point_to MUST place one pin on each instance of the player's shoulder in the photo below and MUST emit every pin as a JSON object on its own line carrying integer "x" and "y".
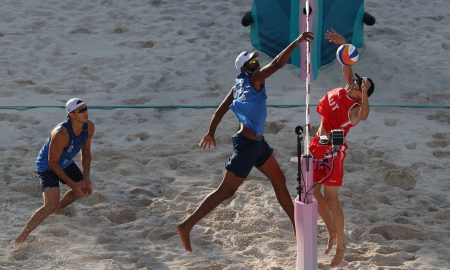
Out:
{"x": 60, "y": 129}
{"x": 59, "y": 134}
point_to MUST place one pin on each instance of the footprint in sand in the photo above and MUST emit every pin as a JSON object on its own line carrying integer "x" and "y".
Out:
{"x": 42, "y": 90}
{"x": 154, "y": 190}
{"x": 399, "y": 232}
{"x": 93, "y": 199}
{"x": 118, "y": 214}
{"x": 383, "y": 199}
{"x": 374, "y": 153}
{"x": 135, "y": 81}
{"x": 278, "y": 245}
{"x": 401, "y": 178}
{"x": 395, "y": 259}
{"x": 357, "y": 156}
{"x": 440, "y": 116}
{"x": 142, "y": 136}
{"x": 137, "y": 44}
{"x": 439, "y": 141}
{"x": 120, "y": 30}
{"x": 390, "y": 122}
{"x": 441, "y": 154}
{"x": 136, "y": 101}
{"x": 58, "y": 232}
{"x": 411, "y": 145}
{"x": 68, "y": 211}
{"x": 80, "y": 30}
{"x": 29, "y": 187}
{"x": 143, "y": 196}
{"x": 111, "y": 155}
{"x": 155, "y": 3}
{"x": 273, "y": 127}
{"x": 355, "y": 255}
{"x": 173, "y": 163}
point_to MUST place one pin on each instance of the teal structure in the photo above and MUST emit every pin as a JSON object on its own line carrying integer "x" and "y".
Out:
{"x": 275, "y": 23}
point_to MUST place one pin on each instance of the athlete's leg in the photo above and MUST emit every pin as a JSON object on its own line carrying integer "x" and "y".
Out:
{"x": 325, "y": 214}
{"x": 51, "y": 204}
{"x": 69, "y": 198}
{"x": 227, "y": 188}
{"x": 332, "y": 196}
{"x": 272, "y": 170}
{"x": 76, "y": 175}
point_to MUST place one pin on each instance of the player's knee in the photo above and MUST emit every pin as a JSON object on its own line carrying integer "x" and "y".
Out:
{"x": 50, "y": 208}
{"x": 318, "y": 195}
{"x": 225, "y": 192}
{"x": 334, "y": 203}
{"x": 229, "y": 192}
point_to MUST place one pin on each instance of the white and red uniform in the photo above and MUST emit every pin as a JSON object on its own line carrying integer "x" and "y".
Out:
{"x": 335, "y": 109}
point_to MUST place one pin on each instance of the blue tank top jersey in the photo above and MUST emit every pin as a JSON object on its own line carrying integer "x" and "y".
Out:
{"x": 249, "y": 105}
{"x": 69, "y": 152}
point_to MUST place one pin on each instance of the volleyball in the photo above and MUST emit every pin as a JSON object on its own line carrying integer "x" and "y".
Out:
{"x": 347, "y": 54}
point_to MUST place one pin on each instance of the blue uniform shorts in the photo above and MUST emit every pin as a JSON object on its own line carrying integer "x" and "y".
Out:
{"x": 247, "y": 153}
{"x": 49, "y": 179}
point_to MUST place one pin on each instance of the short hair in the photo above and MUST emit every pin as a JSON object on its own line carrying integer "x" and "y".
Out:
{"x": 372, "y": 87}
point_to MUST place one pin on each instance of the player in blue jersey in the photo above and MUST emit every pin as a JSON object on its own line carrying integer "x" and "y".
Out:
{"x": 55, "y": 164}
{"x": 247, "y": 99}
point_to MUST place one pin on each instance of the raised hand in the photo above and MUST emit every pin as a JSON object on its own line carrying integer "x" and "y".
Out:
{"x": 87, "y": 186}
{"x": 305, "y": 36}
{"x": 334, "y": 37}
{"x": 79, "y": 190}
{"x": 365, "y": 86}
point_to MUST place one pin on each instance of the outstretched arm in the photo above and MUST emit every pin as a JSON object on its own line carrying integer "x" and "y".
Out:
{"x": 86, "y": 159}
{"x": 208, "y": 139}
{"x": 364, "y": 110}
{"x": 335, "y": 38}
{"x": 361, "y": 112}
{"x": 258, "y": 77}
{"x": 59, "y": 140}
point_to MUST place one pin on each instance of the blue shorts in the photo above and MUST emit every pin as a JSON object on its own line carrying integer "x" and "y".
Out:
{"x": 247, "y": 153}
{"x": 49, "y": 179}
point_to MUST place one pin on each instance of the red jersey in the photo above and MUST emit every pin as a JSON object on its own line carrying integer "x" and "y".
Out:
{"x": 335, "y": 109}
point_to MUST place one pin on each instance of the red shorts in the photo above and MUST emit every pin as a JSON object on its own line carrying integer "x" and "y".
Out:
{"x": 331, "y": 171}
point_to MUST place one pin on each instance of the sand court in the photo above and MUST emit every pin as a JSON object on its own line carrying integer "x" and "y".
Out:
{"x": 148, "y": 171}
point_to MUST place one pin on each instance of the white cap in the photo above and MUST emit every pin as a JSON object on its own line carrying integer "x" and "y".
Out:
{"x": 244, "y": 57}
{"x": 73, "y": 103}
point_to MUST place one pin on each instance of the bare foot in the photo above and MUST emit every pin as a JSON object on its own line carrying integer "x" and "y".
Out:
{"x": 338, "y": 257}
{"x": 183, "y": 232}
{"x": 331, "y": 241}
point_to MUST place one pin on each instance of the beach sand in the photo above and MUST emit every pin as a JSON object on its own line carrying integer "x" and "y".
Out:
{"x": 148, "y": 171}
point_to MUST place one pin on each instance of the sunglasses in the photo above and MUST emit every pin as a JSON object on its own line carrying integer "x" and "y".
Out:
{"x": 82, "y": 110}
{"x": 253, "y": 61}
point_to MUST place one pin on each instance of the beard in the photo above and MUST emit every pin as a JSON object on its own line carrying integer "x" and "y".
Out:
{"x": 252, "y": 69}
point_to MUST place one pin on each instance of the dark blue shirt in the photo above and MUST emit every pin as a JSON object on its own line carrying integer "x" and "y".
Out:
{"x": 69, "y": 152}
{"x": 249, "y": 105}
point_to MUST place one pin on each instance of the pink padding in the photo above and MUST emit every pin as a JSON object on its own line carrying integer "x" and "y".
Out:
{"x": 306, "y": 234}
{"x": 307, "y": 172}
